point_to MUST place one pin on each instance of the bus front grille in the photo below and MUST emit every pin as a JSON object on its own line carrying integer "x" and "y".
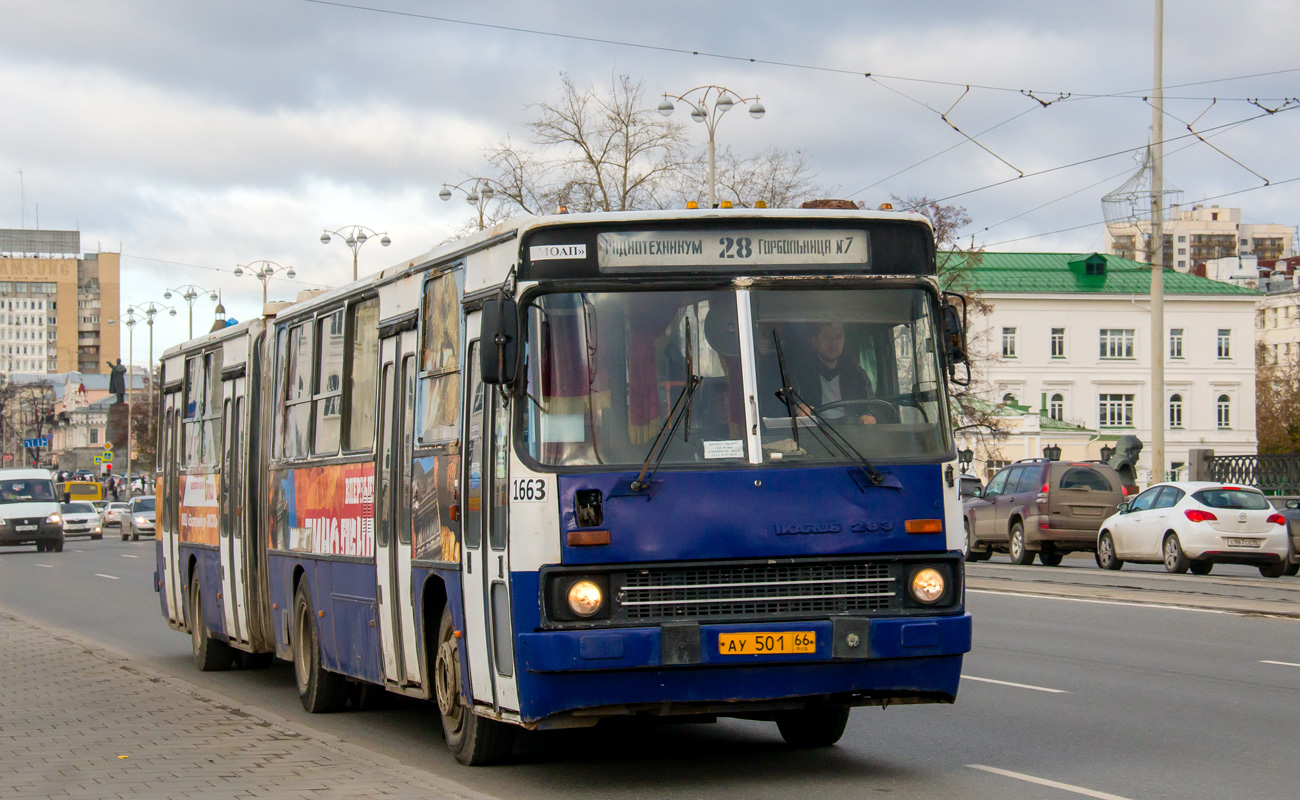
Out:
{"x": 750, "y": 590}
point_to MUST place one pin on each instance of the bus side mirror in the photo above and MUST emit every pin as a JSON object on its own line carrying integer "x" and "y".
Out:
{"x": 952, "y": 324}
{"x": 499, "y": 341}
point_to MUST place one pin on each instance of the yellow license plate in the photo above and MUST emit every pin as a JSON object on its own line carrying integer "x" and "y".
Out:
{"x": 758, "y": 644}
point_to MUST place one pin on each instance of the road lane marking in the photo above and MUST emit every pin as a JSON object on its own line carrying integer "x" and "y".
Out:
{"x": 128, "y": 555}
{"x": 1016, "y": 685}
{"x": 1065, "y": 787}
{"x": 110, "y": 577}
{"x": 1281, "y": 663}
{"x": 1110, "y": 602}
{"x": 47, "y": 566}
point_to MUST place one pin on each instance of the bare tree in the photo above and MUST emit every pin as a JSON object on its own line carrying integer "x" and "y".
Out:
{"x": 976, "y": 406}
{"x": 598, "y": 150}
{"x": 1277, "y": 403}
{"x": 780, "y": 178}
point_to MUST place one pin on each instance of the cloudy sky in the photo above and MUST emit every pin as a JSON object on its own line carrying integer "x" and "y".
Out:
{"x": 193, "y": 135}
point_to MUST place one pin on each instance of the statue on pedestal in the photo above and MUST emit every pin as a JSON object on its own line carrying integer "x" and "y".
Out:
{"x": 117, "y": 383}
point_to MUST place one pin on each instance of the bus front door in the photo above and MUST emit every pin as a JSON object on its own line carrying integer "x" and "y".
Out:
{"x": 485, "y": 570}
{"x": 401, "y": 654}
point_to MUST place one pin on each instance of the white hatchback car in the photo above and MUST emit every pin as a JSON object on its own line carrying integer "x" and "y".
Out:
{"x": 1195, "y": 525}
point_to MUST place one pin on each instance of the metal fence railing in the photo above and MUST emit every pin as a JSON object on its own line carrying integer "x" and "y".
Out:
{"x": 1272, "y": 474}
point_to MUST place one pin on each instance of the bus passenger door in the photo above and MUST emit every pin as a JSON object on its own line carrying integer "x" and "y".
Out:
{"x": 485, "y": 572}
{"x": 401, "y": 655}
{"x": 230, "y": 525}
{"x": 168, "y": 507}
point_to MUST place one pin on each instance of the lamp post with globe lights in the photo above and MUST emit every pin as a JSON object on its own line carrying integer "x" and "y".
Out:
{"x": 189, "y": 293}
{"x": 712, "y": 103}
{"x": 149, "y": 310}
{"x": 354, "y": 236}
{"x": 478, "y": 195}
{"x": 262, "y": 270}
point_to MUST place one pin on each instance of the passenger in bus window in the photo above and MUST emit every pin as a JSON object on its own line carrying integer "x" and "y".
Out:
{"x": 831, "y": 378}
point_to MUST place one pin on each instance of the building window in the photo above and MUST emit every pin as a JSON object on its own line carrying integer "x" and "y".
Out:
{"x": 1009, "y": 399}
{"x": 1115, "y": 410}
{"x": 1056, "y": 408}
{"x": 1224, "y": 407}
{"x": 1175, "y": 411}
{"x": 1182, "y": 238}
{"x": 1117, "y": 343}
{"x": 1175, "y": 342}
{"x": 94, "y": 435}
{"x": 1058, "y": 342}
{"x": 1225, "y": 343}
{"x": 1008, "y": 342}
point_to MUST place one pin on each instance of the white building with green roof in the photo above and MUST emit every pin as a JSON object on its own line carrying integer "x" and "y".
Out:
{"x": 1069, "y": 337}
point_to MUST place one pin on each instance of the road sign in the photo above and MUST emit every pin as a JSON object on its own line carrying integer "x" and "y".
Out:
{"x": 108, "y": 445}
{"x": 41, "y": 442}
{"x": 107, "y": 455}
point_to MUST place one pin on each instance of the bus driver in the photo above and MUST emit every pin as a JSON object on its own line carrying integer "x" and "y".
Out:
{"x": 831, "y": 378}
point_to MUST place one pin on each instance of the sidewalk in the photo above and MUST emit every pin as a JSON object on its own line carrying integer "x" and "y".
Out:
{"x": 78, "y": 722}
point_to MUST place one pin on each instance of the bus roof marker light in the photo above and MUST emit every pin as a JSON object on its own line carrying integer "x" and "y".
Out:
{"x": 725, "y": 204}
{"x": 692, "y": 205}
{"x": 760, "y": 204}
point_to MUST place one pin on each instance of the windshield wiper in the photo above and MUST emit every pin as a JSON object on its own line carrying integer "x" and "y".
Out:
{"x": 681, "y": 410}
{"x": 786, "y": 393}
{"x": 834, "y": 439}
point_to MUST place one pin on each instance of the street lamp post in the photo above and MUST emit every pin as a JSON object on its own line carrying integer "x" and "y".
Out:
{"x": 130, "y": 392}
{"x": 477, "y": 195}
{"x": 701, "y": 111}
{"x": 189, "y": 293}
{"x": 150, "y": 310}
{"x": 354, "y": 236}
{"x": 262, "y": 270}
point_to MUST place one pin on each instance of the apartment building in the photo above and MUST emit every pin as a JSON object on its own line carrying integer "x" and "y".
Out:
{"x": 58, "y": 306}
{"x": 1202, "y": 233}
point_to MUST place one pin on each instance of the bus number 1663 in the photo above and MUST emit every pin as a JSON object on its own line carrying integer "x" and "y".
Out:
{"x": 528, "y": 490}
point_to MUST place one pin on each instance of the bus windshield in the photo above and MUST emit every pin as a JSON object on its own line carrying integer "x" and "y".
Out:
{"x": 604, "y": 370}
{"x": 861, "y": 362}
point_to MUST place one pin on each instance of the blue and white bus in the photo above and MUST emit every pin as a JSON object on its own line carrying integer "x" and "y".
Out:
{"x": 689, "y": 464}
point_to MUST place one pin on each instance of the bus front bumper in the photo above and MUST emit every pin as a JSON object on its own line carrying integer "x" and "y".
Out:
{"x": 854, "y": 661}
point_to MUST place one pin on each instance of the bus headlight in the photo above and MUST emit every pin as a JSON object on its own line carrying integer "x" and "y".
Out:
{"x": 585, "y": 598}
{"x": 928, "y": 585}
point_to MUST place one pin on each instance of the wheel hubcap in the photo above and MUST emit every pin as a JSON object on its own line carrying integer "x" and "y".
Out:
{"x": 446, "y": 678}
{"x": 1171, "y": 553}
{"x": 300, "y": 648}
{"x": 1016, "y": 544}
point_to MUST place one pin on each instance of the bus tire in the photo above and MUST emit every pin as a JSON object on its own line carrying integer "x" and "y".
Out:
{"x": 818, "y": 726}
{"x": 473, "y": 740}
{"x": 319, "y": 690}
{"x": 210, "y": 654}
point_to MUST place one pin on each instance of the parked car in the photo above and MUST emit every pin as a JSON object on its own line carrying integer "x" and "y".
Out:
{"x": 1040, "y": 507}
{"x": 115, "y": 514}
{"x": 1291, "y": 511}
{"x": 29, "y": 510}
{"x": 1195, "y": 525}
{"x": 81, "y": 519}
{"x": 139, "y": 518}
{"x": 966, "y": 486}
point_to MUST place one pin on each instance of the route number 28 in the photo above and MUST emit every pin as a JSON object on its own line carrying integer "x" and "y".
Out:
{"x": 740, "y": 247}
{"x": 528, "y": 490}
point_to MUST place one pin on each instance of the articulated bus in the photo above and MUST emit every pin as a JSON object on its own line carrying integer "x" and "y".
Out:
{"x": 695, "y": 464}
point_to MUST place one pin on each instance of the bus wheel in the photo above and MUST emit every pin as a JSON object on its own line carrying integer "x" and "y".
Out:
{"x": 474, "y": 741}
{"x": 819, "y": 726}
{"x": 319, "y": 690}
{"x": 209, "y": 654}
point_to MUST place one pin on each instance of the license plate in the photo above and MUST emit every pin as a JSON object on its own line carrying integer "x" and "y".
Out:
{"x": 755, "y": 644}
{"x": 1244, "y": 542}
{"x": 25, "y": 528}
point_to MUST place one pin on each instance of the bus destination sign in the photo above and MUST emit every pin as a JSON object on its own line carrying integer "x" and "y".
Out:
{"x": 732, "y": 249}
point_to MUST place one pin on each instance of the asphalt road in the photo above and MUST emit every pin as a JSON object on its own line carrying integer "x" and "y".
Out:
{"x": 1065, "y": 697}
